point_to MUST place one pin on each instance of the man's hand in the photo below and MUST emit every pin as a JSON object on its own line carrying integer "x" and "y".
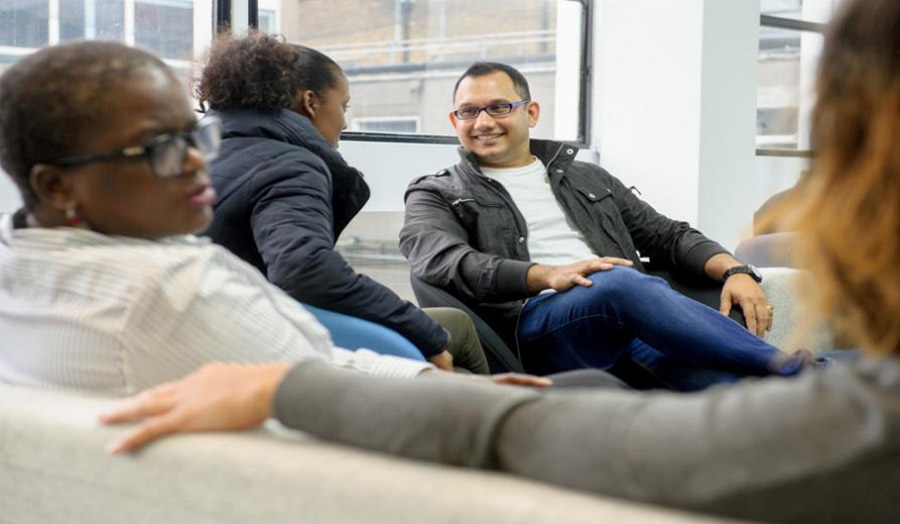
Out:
{"x": 742, "y": 290}
{"x": 521, "y": 379}
{"x": 443, "y": 360}
{"x": 218, "y": 397}
{"x": 503, "y": 379}
{"x": 562, "y": 278}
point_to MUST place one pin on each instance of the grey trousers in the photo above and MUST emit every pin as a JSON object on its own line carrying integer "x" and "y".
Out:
{"x": 468, "y": 355}
{"x": 823, "y": 447}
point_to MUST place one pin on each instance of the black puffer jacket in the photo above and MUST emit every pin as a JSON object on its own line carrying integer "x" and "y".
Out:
{"x": 285, "y": 195}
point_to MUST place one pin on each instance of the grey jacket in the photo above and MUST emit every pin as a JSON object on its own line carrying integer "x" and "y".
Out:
{"x": 463, "y": 231}
{"x": 822, "y": 447}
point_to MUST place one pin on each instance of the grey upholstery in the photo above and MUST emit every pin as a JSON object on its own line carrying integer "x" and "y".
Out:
{"x": 53, "y": 470}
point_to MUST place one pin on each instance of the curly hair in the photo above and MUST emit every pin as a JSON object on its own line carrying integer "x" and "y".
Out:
{"x": 848, "y": 210}
{"x": 51, "y": 98}
{"x": 260, "y": 71}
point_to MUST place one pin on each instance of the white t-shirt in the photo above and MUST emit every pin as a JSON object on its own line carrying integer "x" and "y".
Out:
{"x": 115, "y": 315}
{"x": 552, "y": 239}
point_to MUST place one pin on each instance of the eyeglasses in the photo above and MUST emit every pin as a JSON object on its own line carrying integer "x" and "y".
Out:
{"x": 495, "y": 110}
{"x": 165, "y": 153}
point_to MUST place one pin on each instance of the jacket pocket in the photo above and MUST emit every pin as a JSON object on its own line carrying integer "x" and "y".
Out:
{"x": 485, "y": 222}
{"x": 594, "y": 195}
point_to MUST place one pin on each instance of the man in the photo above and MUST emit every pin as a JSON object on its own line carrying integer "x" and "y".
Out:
{"x": 521, "y": 219}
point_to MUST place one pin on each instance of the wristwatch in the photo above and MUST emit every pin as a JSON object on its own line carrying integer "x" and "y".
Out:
{"x": 749, "y": 269}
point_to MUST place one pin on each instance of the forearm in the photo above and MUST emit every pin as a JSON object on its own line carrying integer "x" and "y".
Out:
{"x": 443, "y": 420}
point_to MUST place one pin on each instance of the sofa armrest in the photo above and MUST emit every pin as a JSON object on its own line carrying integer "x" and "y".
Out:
{"x": 53, "y": 469}
{"x": 794, "y": 325}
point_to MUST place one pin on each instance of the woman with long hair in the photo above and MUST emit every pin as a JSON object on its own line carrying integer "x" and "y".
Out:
{"x": 824, "y": 447}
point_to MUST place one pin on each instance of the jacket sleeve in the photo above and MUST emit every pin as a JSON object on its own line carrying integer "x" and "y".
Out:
{"x": 665, "y": 241}
{"x": 437, "y": 247}
{"x": 292, "y": 227}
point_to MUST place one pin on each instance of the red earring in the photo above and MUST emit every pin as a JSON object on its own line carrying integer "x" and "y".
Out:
{"x": 74, "y": 219}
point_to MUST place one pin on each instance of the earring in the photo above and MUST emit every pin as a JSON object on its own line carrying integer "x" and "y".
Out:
{"x": 74, "y": 219}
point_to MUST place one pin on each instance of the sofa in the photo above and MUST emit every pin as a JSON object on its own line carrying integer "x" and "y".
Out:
{"x": 53, "y": 469}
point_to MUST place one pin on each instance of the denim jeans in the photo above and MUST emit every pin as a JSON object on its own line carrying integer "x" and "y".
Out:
{"x": 629, "y": 321}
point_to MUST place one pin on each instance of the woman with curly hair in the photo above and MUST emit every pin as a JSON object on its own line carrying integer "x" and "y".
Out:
{"x": 824, "y": 447}
{"x": 285, "y": 193}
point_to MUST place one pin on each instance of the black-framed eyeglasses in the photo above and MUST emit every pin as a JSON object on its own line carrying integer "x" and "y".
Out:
{"x": 495, "y": 110}
{"x": 164, "y": 153}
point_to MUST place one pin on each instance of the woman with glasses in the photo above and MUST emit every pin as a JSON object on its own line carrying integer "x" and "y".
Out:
{"x": 823, "y": 447}
{"x": 103, "y": 287}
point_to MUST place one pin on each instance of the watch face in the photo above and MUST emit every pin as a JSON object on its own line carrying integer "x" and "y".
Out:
{"x": 747, "y": 270}
{"x": 754, "y": 272}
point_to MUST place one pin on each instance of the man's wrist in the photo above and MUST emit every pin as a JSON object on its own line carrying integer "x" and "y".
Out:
{"x": 537, "y": 278}
{"x": 716, "y": 266}
{"x": 749, "y": 270}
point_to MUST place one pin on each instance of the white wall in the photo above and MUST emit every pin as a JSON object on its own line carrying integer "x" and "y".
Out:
{"x": 728, "y": 119}
{"x": 647, "y": 98}
{"x": 9, "y": 194}
{"x": 675, "y": 106}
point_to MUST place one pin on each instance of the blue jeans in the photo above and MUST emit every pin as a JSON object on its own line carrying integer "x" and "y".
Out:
{"x": 628, "y": 320}
{"x": 353, "y": 333}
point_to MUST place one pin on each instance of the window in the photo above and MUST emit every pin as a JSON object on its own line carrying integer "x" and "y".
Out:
{"x": 790, "y": 42}
{"x": 174, "y": 29}
{"x": 402, "y": 57}
{"x": 400, "y": 124}
{"x": 167, "y": 27}
{"x": 24, "y": 23}
{"x": 267, "y": 22}
{"x": 91, "y": 19}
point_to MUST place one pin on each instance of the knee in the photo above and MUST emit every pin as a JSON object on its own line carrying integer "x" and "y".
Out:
{"x": 456, "y": 322}
{"x": 618, "y": 283}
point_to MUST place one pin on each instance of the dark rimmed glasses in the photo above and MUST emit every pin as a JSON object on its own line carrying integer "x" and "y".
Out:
{"x": 166, "y": 153}
{"x": 494, "y": 110}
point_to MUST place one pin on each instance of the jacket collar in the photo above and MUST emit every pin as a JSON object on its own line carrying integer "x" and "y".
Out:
{"x": 547, "y": 151}
{"x": 349, "y": 190}
{"x": 282, "y": 125}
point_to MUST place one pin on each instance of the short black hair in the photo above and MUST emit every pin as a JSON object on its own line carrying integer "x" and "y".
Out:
{"x": 51, "y": 98}
{"x": 260, "y": 71}
{"x": 520, "y": 84}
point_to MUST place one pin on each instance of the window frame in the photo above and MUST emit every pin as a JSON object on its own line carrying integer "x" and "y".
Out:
{"x": 794, "y": 25}
{"x": 224, "y": 15}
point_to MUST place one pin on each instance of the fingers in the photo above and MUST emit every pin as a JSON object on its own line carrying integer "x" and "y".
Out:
{"x": 763, "y": 320}
{"x": 617, "y": 261}
{"x": 149, "y": 403}
{"x": 750, "y": 316}
{"x": 592, "y": 265}
{"x": 725, "y": 303}
{"x": 768, "y": 312}
{"x": 582, "y": 281}
{"x": 145, "y": 433}
{"x": 519, "y": 379}
{"x": 443, "y": 360}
